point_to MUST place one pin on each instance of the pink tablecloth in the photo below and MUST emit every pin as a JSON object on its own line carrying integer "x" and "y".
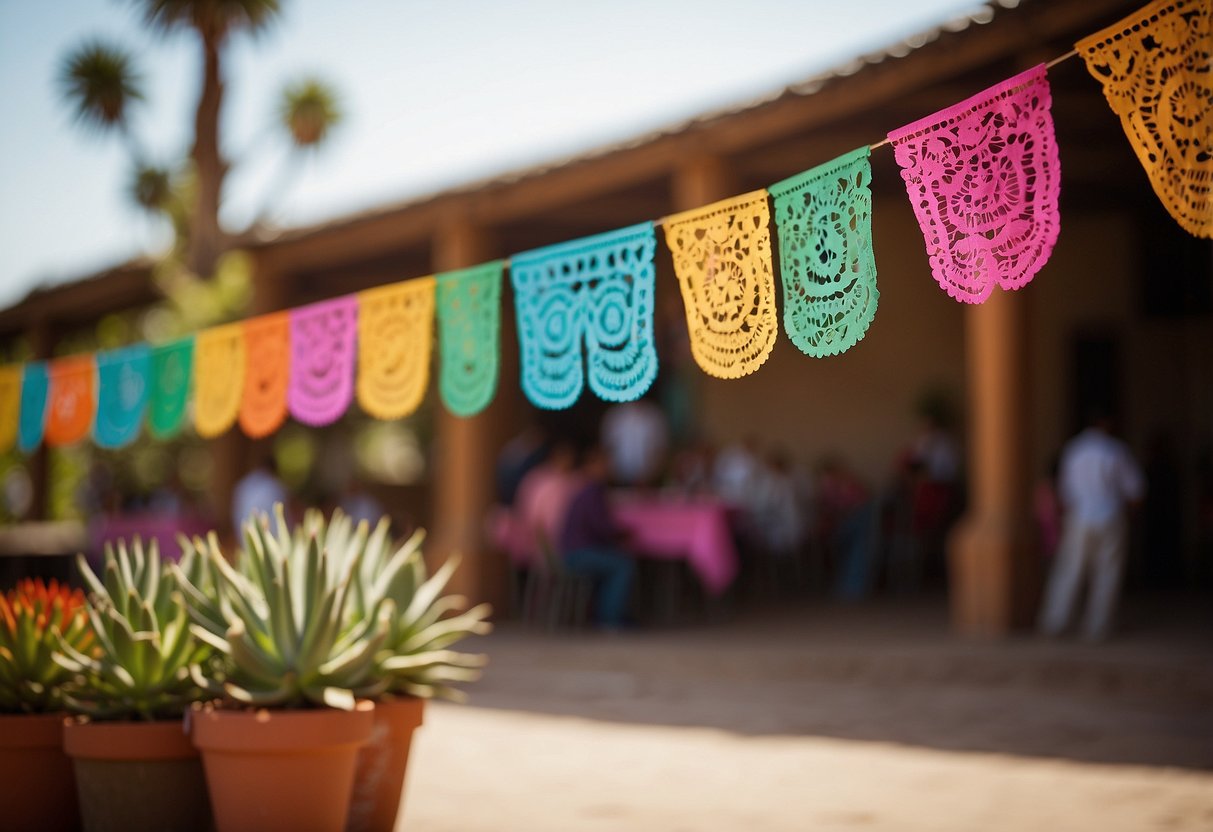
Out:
{"x": 696, "y": 530}
{"x": 163, "y": 528}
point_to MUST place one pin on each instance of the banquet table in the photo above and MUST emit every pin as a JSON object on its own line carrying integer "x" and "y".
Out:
{"x": 666, "y": 528}
{"x": 694, "y": 529}
{"x": 163, "y": 528}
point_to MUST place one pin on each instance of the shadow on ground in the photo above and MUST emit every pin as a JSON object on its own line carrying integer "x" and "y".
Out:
{"x": 886, "y": 672}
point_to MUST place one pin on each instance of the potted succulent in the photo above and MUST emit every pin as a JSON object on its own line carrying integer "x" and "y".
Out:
{"x": 279, "y": 748}
{"x": 412, "y": 665}
{"x": 37, "y": 790}
{"x": 135, "y": 765}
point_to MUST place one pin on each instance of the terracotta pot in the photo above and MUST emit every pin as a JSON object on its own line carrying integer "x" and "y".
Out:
{"x": 379, "y": 784}
{"x": 281, "y": 769}
{"x": 37, "y": 789}
{"x": 137, "y": 775}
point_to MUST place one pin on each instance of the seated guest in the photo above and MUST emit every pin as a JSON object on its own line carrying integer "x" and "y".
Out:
{"x": 591, "y": 543}
{"x": 542, "y": 503}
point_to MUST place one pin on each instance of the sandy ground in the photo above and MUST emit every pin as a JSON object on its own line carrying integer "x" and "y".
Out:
{"x": 821, "y": 719}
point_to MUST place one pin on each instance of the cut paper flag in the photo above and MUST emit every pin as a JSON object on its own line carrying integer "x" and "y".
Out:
{"x": 1156, "y": 68}
{"x": 10, "y": 405}
{"x": 122, "y": 393}
{"x": 218, "y": 378}
{"x": 72, "y": 399}
{"x": 395, "y": 335}
{"x": 469, "y": 325}
{"x": 324, "y": 338}
{"x": 267, "y": 362}
{"x": 984, "y": 179}
{"x": 31, "y": 425}
{"x": 824, "y": 217}
{"x": 595, "y": 293}
{"x": 722, "y": 256}
{"x": 170, "y": 374}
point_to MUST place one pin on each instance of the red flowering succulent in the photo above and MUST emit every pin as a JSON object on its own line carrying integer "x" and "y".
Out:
{"x": 33, "y": 617}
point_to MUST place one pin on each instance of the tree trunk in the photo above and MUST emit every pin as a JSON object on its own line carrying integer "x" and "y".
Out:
{"x": 206, "y": 241}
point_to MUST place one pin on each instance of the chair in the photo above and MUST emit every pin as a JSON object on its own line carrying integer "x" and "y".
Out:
{"x": 553, "y": 597}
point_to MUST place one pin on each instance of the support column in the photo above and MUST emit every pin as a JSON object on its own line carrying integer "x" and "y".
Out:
{"x": 991, "y": 559}
{"x": 701, "y": 179}
{"x": 233, "y": 454}
{"x": 37, "y": 464}
{"x": 463, "y": 456}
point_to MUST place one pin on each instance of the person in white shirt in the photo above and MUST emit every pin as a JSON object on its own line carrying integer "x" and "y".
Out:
{"x": 1098, "y": 481}
{"x": 636, "y": 438}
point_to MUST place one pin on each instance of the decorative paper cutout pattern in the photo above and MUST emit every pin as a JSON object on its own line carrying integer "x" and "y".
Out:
{"x": 324, "y": 338}
{"x": 824, "y": 217}
{"x": 469, "y": 324}
{"x": 122, "y": 393}
{"x": 10, "y": 405}
{"x": 597, "y": 290}
{"x": 395, "y": 333}
{"x": 984, "y": 179}
{"x": 1156, "y": 67}
{"x": 72, "y": 400}
{"x": 267, "y": 362}
{"x": 35, "y": 384}
{"x": 171, "y": 371}
{"x": 722, "y": 256}
{"x": 218, "y": 378}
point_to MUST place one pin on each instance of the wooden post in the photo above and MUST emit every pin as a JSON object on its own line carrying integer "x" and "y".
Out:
{"x": 463, "y": 455}
{"x": 703, "y": 178}
{"x": 37, "y": 465}
{"x": 990, "y": 552}
{"x": 232, "y": 453}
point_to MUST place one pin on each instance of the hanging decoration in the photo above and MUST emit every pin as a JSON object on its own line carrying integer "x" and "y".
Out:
{"x": 267, "y": 362}
{"x": 984, "y": 179}
{"x": 824, "y": 217}
{"x": 31, "y": 426}
{"x": 72, "y": 400}
{"x": 122, "y": 393}
{"x": 395, "y": 335}
{"x": 218, "y": 378}
{"x": 170, "y": 374}
{"x": 722, "y": 256}
{"x": 10, "y": 405}
{"x": 324, "y": 338}
{"x": 1155, "y": 70}
{"x": 597, "y": 291}
{"x": 469, "y": 322}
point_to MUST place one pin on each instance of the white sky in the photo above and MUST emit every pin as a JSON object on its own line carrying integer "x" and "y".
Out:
{"x": 435, "y": 92}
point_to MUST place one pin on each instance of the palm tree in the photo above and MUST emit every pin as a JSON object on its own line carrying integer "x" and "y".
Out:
{"x": 100, "y": 82}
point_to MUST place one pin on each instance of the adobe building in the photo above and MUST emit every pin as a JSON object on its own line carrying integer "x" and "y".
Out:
{"x": 1121, "y": 314}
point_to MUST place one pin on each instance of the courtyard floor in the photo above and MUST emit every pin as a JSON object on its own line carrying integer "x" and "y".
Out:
{"x": 817, "y": 717}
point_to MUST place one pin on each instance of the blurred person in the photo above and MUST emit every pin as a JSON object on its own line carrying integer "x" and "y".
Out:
{"x": 636, "y": 438}
{"x": 780, "y": 522}
{"x": 1098, "y": 482}
{"x": 517, "y": 458}
{"x": 360, "y": 504}
{"x": 691, "y": 469}
{"x": 257, "y": 491}
{"x": 591, "y": 542}
{"x": 542, "y": 502}
{"x": 847, "y": 520}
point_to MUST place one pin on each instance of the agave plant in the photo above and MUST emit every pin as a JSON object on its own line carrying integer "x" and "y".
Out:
{"x": 143, "y": 668}
{"x": 284, "y": 624}
{"x": 35, "y": 617}
{"x": 415, "y": 659}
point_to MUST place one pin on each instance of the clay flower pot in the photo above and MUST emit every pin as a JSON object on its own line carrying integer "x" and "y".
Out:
{"x": 137, "y": 775}
{"x": 288, "y": 769}
{"x": 37, "y": 789}
{"x": 379, "y": 784}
